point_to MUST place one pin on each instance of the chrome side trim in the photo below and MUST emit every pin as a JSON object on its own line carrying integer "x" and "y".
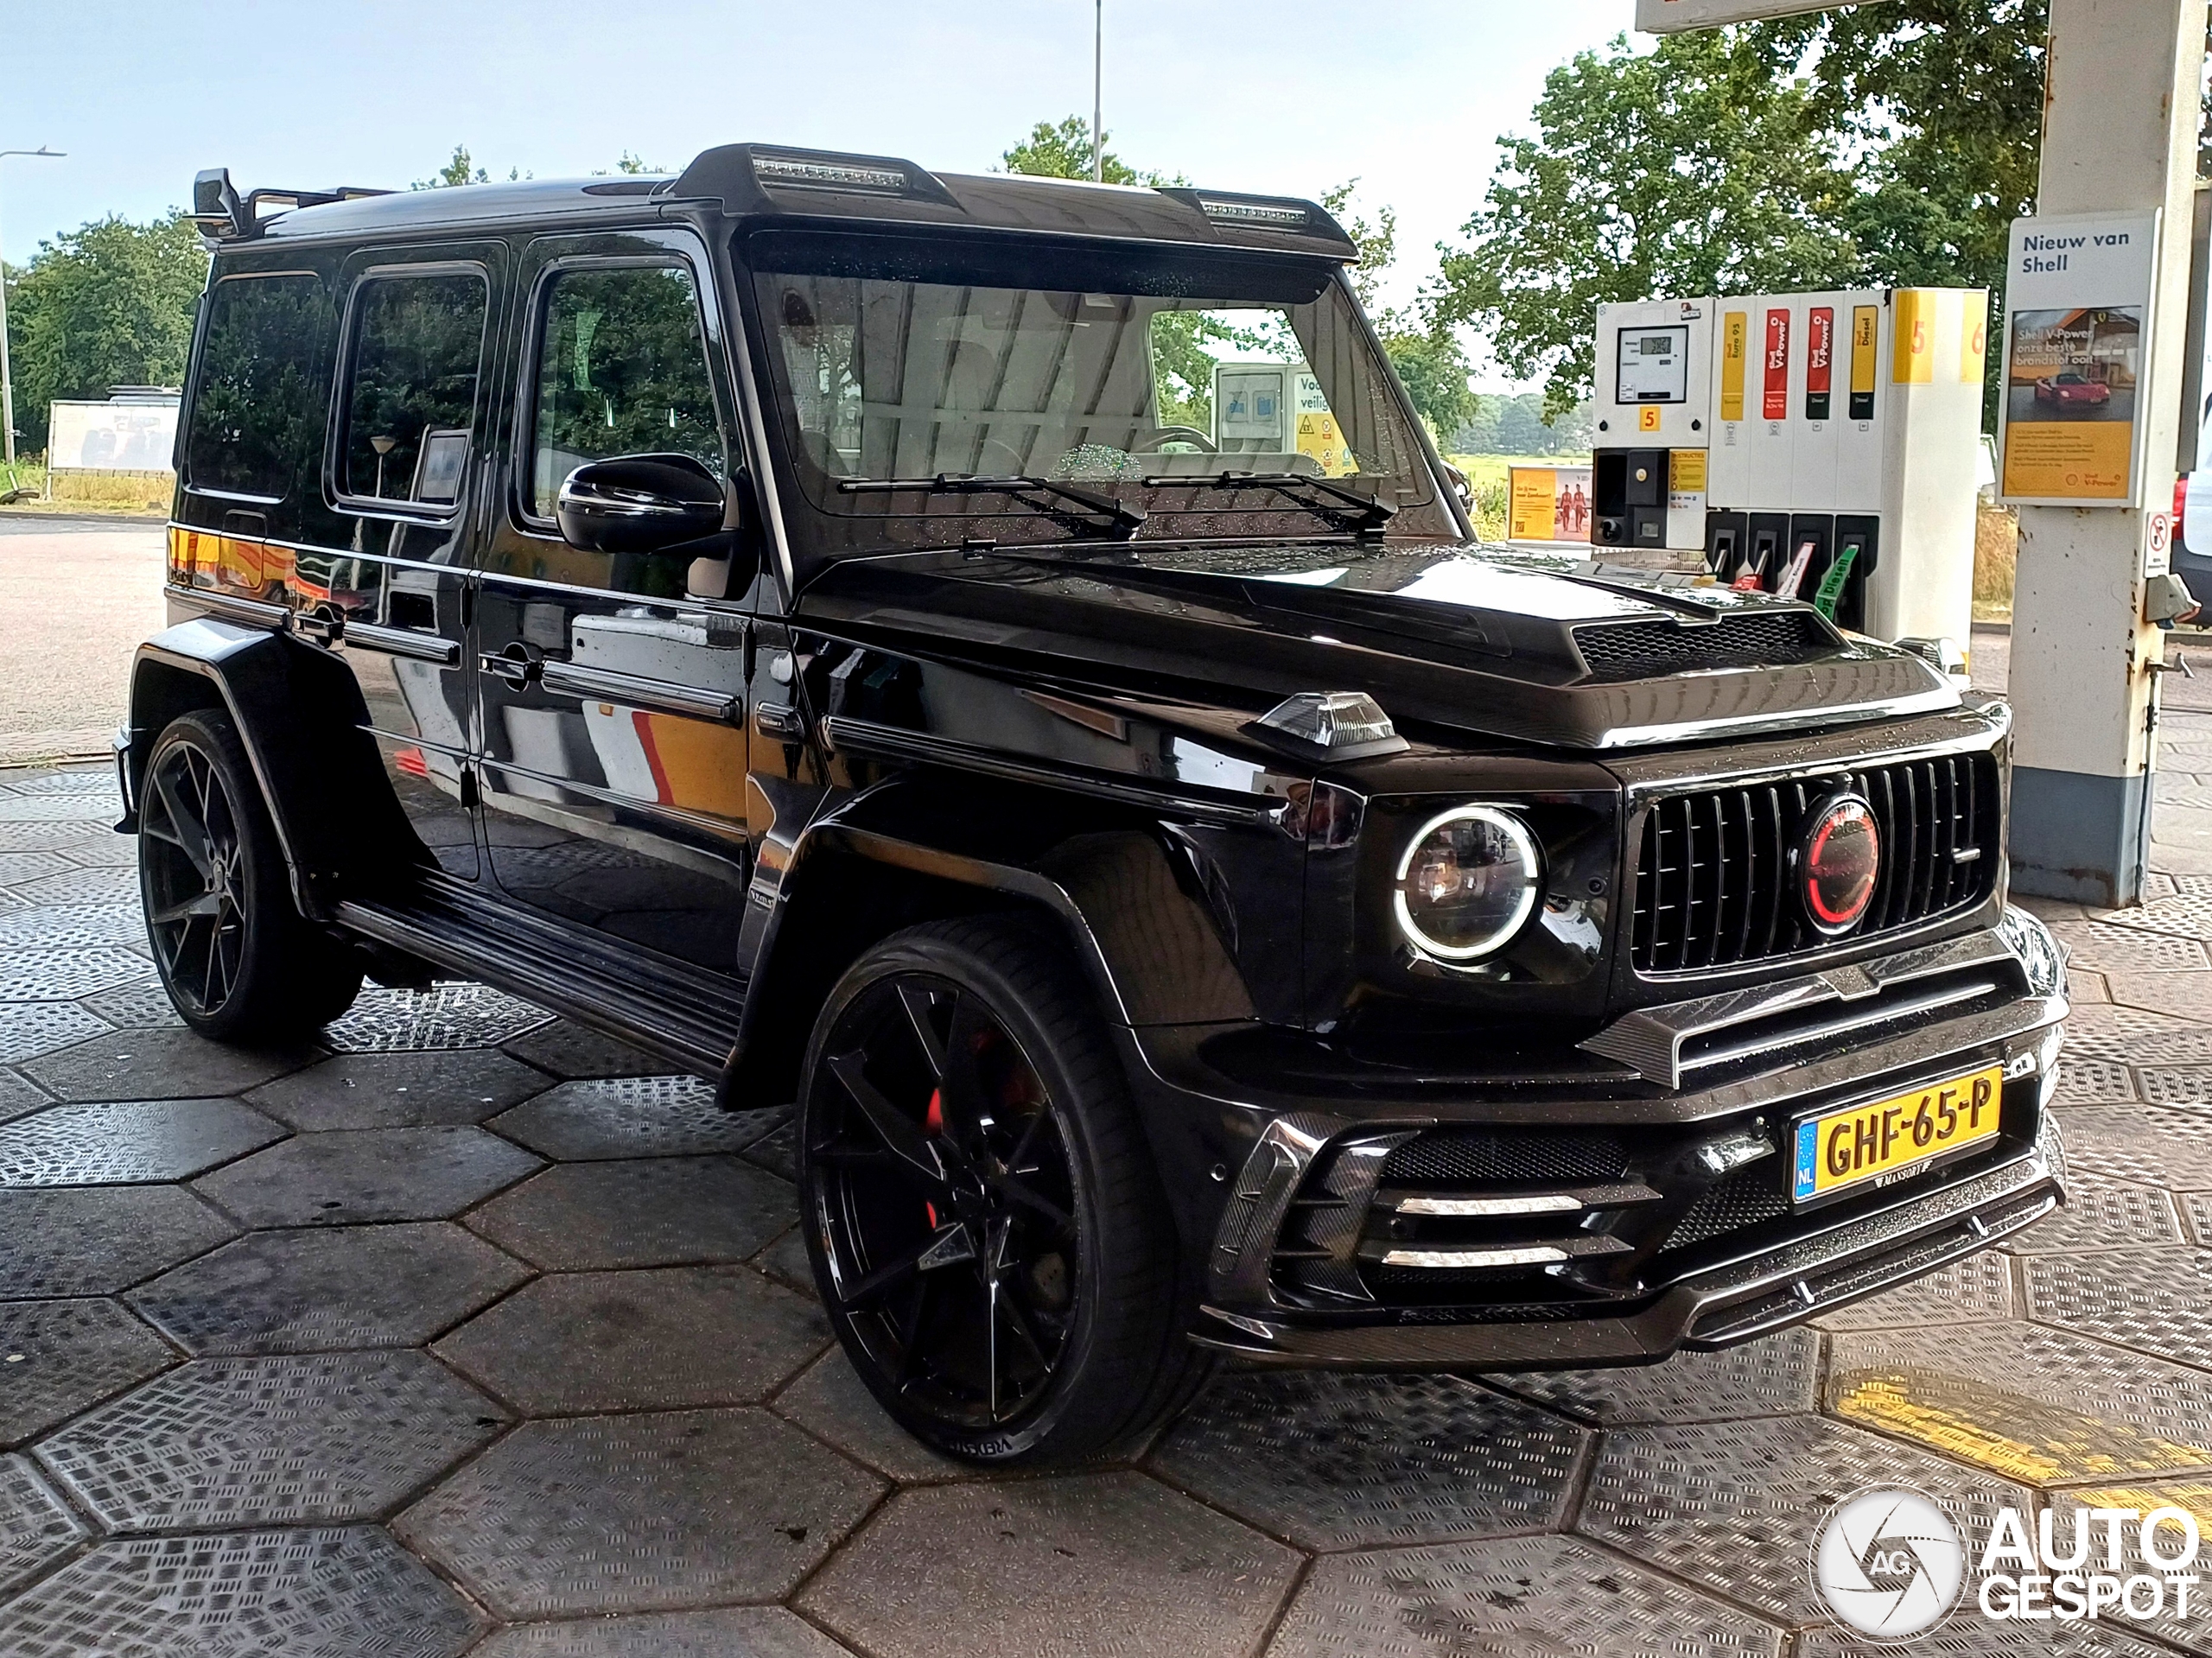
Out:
{"x": 1650, "y": 1040}
{"x": 400, "y": 642}
{"x": 1223, "y": 808}
{"x": 1572, "y": 1201}
{"x": 1531, "y": 1256}
{"x": 252, "y": 613}
{"x": 638, "y": 691}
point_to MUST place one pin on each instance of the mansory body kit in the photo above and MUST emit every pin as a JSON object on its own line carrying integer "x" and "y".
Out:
{"x": 999, "y": 662}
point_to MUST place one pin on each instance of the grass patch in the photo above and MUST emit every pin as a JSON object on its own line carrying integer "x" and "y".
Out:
{"x": 1996, "y": 556}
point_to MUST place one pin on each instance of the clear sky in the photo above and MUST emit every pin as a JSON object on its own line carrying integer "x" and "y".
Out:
{"x": 1289, "y": 96}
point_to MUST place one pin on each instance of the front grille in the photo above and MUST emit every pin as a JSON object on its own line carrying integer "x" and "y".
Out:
{"x": 1739, "y": 1198}
{"x": 1620, "y": 651}
{"x": 1712, "y": 885}
{"x": 1460, "y": 1156}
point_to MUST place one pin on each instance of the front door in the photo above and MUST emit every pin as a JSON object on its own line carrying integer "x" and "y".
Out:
{"x": 611, "y": 690}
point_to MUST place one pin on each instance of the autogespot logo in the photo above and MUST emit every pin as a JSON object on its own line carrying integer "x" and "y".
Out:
{"x": 1889, "y": 1562}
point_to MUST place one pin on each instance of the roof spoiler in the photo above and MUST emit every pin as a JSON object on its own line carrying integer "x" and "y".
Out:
{"x": 740, "y": 175}
{"x": 223, "y": 215}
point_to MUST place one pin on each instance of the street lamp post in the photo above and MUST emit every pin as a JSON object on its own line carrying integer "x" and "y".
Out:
{"x": 6, "y": 382}
{"x": 1098, "y": 91}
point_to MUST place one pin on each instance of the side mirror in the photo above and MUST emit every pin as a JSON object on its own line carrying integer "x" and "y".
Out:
{"x": 640, "y": 504}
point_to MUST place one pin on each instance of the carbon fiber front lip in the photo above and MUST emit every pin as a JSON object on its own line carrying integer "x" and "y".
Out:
{"x": 1812, "y": 1275}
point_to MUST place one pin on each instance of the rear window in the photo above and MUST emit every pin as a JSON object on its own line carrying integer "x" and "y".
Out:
{"x": 257, "y": 417}
{"x": 411, "y": 404}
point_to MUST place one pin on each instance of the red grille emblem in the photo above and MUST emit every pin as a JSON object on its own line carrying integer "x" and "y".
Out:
{"x": 1838, "y": 862}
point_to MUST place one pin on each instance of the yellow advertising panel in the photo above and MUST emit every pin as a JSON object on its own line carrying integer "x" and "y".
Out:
{"x": 1547, "y": 504}
{"x": 1318, "y": 436}
{"x": 1735, "y": 339}
{"x": 2050, "y": 461}
{"x": 1912, "y": 351}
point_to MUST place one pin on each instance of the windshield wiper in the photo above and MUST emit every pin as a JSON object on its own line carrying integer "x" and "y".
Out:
{"x": 1373, "y": 516}
{"x": 1121, "y": 518}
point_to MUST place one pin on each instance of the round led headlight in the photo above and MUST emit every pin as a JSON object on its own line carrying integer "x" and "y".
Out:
{"x": 1466, "y": 883}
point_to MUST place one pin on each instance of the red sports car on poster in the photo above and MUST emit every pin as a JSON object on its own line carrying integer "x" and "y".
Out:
{"x": 2073, "y": 391}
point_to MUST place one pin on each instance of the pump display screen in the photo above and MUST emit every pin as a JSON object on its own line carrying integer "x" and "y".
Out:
{"x": 1654, "y": 365}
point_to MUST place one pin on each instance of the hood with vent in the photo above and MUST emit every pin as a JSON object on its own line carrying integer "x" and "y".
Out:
{"x": 1447, "y": 637}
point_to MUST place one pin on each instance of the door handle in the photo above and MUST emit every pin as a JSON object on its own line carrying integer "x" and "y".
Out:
{"x": 400, "y": 642}
{"x": 519, "y": 665}
{"x": 779, "y": 719}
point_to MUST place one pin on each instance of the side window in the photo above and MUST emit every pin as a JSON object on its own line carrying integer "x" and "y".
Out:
{"x": 621, "y": 370}
{"x": 256, "y": 415}
{"x": 410, "y": 402}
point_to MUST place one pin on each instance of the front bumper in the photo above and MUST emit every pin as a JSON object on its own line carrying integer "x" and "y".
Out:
{"x": 1615, "y": 1224}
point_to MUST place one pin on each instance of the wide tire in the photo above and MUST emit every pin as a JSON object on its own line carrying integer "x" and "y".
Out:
{"x": 987, "y": 1229}
{"x": 239, "y": 961}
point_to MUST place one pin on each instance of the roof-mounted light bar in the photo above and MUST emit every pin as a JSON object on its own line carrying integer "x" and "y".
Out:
{"x": 829, "y": 176}
{"x": 1263, "y": 215}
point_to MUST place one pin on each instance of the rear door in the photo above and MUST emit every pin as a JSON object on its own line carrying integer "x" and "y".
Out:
{"x": 404, "y": 501}
{"x": 611, "y": 690}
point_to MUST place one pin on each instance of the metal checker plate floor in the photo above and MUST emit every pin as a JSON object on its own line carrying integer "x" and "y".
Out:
{"x": 310, "y": 1411}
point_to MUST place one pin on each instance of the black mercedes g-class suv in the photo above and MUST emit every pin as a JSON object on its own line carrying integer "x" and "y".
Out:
{"x": 999, "y": 662}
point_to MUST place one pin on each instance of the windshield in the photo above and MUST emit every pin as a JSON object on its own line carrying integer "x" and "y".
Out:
{"x": 936, "y": 391}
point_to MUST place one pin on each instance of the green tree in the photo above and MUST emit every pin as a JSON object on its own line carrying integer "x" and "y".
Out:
{"x": 1377, "y": 242}
{"x": 110, "y": 304}
{"x": 1064, "y": 152}
{"x": 1694, "y": 168}
{"x": 456, "y": 171}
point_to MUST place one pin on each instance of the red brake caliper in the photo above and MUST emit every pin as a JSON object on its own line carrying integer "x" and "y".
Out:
{"x": 933, "y": 1122}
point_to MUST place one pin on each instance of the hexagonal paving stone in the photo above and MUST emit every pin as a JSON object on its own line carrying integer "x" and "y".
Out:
{"x": 48, "y": 809}
{"x": 1506, "y": 1599}
{"x": 2092, "y": 1081}
{"x": 350, "y": 1594}
{"x": 63, "y": 836}
{"x": 35, "y": 1527}
{"x": 17, "y": 866}
{"x": 786, "y": 1262}
{"x": 445, "y": 1016}
{"x": 59, "y": 1357}
{"x": 2158, "y": 1301}
{"x": 127, "y": 1143}
{"x": 28, "y": 1029}
{"x": 301, "y": 1441}
{"x": 1057, "y": 1568}
{"x": 398, "y": 1090}
{"x": 94, "y": 782}
{"x": 2100, "y": 1214}
{"x": 1334, "y": 1461}
{"x": 2135, "y": 1036}
{"x": 659, "y": 1212}
{"x": 2194, "y": 1497}
{"x": 2145, "y": 1145}
{"x": 81, "y": 887}
{"x": 560, "y": 1517}
{"x": 2177, "y": 1084}
{"x": 777, "y": 1153}
{"x": 569, "y": 1049}
{"x": 98, "y": 848}
{"x": 369, "y": 1174}
{"x": 1978, "y": 1288}
{"x": 731, "y": 1632}
{"x": 19, "y": 1098}
{"x": 320, "y": 1289}
{"x": 94, "y": 1241}
{"x": 1970, "y": 1635}
{"x": 831, "y": 1402}
{"x": 2103, "y": 948}
{"x": 160, "y": 1065}
{"x": 633, "y": 1116}
{"x": 2035, "y": 1404}
{"x": 1770, "y": 1377}
{"x": 669, "y": 1339}
{"x": 68, "y": 967}
{"x": 1733, "y": 1506}
{"x": 142, "y": 1007}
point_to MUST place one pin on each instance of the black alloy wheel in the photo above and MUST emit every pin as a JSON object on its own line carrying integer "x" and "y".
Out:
{"x": 238, "y": 960}
{"x": 987, "y": 1233}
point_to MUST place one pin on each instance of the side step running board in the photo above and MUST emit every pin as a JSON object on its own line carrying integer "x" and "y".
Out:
{"x": 687, "y": 1017}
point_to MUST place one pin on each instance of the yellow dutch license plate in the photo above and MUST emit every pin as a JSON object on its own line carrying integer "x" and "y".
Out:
{"x": 1880, "y": 1137}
